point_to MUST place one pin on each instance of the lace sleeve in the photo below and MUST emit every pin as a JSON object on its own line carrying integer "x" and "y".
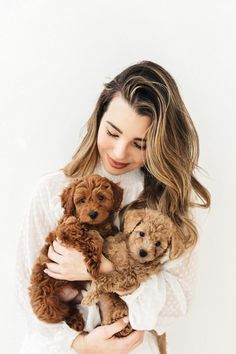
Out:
{"x": 165, "y": 297}
{"x": 39, "y": 220}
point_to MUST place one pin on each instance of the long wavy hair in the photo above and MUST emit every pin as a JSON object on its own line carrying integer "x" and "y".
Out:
{"x": 170, "y": 184}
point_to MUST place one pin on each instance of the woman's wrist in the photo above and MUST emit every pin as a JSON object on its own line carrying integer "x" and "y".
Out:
{"x": 106, "y": 266}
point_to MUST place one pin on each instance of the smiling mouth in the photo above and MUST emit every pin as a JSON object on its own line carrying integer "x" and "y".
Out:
{"x": 116, "y": 164}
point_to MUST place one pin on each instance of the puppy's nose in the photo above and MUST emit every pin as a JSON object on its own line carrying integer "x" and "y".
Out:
{"x": 143, "y": 253}
{"x": 93, "y": 214}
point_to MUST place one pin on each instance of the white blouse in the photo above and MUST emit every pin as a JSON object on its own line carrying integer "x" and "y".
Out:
{"x": 156, "y": 304}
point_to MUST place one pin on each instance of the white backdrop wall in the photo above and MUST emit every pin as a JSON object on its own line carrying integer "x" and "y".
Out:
{"x": 54, "y": 58}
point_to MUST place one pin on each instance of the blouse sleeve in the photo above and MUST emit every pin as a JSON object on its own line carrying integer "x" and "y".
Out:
{"x": 39, "y": 220}
{"x": 165, "y": 296}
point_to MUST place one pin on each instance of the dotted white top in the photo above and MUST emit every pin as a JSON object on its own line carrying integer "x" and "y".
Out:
{"x": 156, "y": 304}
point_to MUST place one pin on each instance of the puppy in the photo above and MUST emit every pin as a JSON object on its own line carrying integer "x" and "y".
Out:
{"x": 89, "y": 205}
{"x": 137, "y": 253}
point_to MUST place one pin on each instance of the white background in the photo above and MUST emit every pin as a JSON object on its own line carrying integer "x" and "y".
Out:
{"x": 54, "y": 58}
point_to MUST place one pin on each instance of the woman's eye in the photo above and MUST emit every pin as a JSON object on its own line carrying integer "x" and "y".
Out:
{"x": 113, "y": 135}
{"x": 101, "y": 197}
{"x": 141, "y": 233}
{"x": 158, "y": 243}
{"x": 143, "y": 147}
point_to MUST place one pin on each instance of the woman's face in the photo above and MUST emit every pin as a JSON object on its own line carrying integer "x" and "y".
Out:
{"x": 120, "y": 135}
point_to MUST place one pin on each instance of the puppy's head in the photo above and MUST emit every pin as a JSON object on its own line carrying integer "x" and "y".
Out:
{"x": 92, "y": 199}
{"x": 150, "y": 235}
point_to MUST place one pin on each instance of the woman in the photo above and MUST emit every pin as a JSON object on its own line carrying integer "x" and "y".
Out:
{"x": 140, "y": 135}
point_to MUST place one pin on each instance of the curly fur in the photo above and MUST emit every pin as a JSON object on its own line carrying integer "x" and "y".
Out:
{"x": 89, "y": 204}
{"x": 136, "y": 253}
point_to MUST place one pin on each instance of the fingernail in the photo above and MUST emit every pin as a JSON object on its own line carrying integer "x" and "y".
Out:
{"x": 125, "y": 319}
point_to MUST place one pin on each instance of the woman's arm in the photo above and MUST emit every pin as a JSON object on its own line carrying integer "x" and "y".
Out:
{"x": 39, "y": 220}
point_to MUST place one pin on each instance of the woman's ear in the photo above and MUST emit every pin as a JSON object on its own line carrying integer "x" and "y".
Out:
{"x": 132, "y": 218}
{"x": 117, "y": 194}
{"x": 67, "y": 195}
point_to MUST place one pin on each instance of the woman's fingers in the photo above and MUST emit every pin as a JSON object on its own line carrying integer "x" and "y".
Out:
{"x": 54, "y": 267}
{"x": 54, "y": 256}
{"x": 59, "y": 248}
{"x": 55, "y": 270}
{"x": 110, "y": 330}
{"x": 125, "y": 344}
{"x": 53, "y": 275}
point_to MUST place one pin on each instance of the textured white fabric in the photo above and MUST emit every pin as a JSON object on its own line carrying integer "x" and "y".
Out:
{"x": 164, "y": 297}
{"x": 154, "y": 305}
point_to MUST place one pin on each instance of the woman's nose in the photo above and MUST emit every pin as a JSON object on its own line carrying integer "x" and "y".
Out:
{"x": 120, "y": 151}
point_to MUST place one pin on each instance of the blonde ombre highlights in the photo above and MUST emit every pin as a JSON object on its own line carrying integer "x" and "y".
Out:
{"x": 172, "y": 144}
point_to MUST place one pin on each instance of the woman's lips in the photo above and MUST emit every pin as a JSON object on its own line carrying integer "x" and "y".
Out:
{"x": 116, "y": 164}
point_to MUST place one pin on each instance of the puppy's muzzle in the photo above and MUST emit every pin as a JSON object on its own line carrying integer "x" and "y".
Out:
{"x": 93, "y": 214}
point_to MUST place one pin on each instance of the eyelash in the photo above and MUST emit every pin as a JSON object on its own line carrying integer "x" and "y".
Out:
{"x": 113, "y": 135}
{"x": 117, "y": 136}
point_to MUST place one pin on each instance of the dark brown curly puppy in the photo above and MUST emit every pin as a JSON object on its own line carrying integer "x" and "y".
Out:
{"x": 89, "y": 204}
{"x": 136, "y": 254}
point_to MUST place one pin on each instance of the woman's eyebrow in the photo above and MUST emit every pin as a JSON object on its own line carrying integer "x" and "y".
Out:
{"x": 116, "y": 128}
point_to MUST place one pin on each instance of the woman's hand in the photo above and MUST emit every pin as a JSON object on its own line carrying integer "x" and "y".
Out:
{"x": 68, "y": 263}
{"x": 102, "y": 341}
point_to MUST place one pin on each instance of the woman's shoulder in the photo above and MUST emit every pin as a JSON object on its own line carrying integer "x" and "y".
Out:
{"x": 53, "y": 181}
{"x": 49, "y": 186}
{"x": 48, "y": 190}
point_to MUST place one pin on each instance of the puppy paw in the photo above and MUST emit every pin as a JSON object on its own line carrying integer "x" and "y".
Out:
{"x": 125, "y": 332}
{"x": 75, "y": 321}
{"x": 119, "y": 312}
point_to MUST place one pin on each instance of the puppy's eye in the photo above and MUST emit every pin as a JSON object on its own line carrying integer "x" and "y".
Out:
{"x": 82, "y": 200}
{"x": 158, "y": 243}
{"x": 141, "y": 233}
{"x": 101, "y": 197}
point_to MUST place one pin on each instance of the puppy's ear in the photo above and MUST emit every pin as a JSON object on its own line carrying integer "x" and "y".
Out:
{"x": 132, "y": 218}
{"x": 67, "y": 198}
{"x": 117, "y": 194}
{"x": 176, "y": 246}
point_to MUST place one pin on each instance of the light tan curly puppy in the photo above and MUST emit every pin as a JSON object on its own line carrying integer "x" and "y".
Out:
{"x": 136, "y": 254}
